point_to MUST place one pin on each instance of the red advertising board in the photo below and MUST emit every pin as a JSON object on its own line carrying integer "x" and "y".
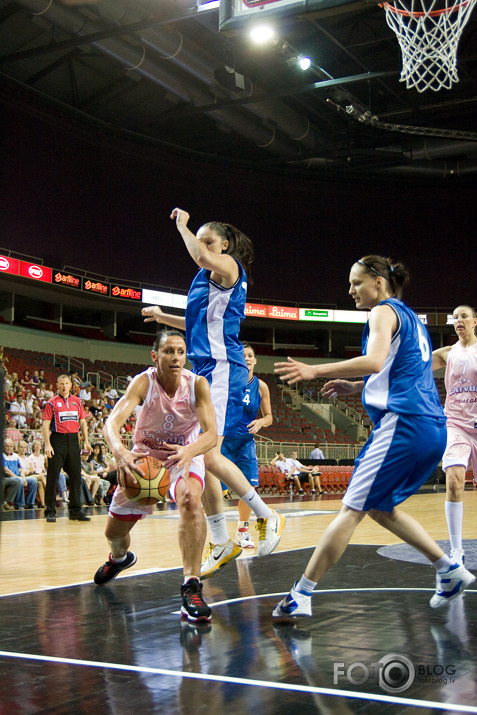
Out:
{"x": 9, "y": 265}
{"x": 35, "y": 271}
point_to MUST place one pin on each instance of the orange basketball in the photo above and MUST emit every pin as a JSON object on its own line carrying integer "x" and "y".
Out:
{"x": 152, "y": 486}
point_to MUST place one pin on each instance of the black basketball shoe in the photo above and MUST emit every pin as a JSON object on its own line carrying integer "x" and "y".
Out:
{"x": 110, "y": 570}
{"x": 194, "y": 608}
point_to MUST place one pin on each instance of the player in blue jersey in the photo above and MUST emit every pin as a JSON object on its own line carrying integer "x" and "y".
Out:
{"x": 240, "y": 448}
{"x": 408, "y": 439}
{"x": 215, "y": 309}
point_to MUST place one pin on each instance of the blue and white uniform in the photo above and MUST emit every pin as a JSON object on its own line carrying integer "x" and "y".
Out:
{"x": 213, "y": 317}
{"x": 409, "y": 436}
{"x": 240, "y": 449}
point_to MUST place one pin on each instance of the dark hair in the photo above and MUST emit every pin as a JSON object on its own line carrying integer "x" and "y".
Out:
{"x": 247, "y": 345}
{"x": 162, "y": 336}
{"x": 240, "y": 246}
{"x": 396, "y": 274}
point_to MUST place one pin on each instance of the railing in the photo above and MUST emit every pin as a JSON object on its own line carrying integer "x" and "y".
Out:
{"x": 267, "y": 448}
{"x": 121, "y": 382}
{"x": 100, "y": 377}
{"x": 68, "y": 364}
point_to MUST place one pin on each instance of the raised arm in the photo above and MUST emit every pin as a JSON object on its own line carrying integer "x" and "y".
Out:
{"x": 219, "y": 263}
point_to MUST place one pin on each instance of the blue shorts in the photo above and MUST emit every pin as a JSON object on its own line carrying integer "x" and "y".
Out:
{"x": 241, "y": 451}
{"x": 227, "y": 382}
{"x": 399, "y": 456}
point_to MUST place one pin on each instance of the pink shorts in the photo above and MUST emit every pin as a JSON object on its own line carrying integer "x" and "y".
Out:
{"x": 125, "y": 510}
{"x": 461, "y": 449}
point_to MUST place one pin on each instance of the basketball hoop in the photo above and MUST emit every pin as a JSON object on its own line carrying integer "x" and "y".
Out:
{"x": 428, "y": 38}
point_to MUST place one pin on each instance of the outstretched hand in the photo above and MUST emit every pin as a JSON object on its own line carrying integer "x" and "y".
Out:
{"x": 152, "y": 313}
{"x": 294, "y": 371}
{"x": 337, "y": 388}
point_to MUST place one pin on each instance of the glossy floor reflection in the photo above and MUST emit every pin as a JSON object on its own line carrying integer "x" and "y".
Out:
{"x": 373, "y": 644}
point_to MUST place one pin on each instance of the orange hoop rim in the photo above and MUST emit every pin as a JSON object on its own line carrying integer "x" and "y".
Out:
{"x": 432, "y": 13}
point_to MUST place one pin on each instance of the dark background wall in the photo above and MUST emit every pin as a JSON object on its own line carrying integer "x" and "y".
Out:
{"x": 76, "y": 195}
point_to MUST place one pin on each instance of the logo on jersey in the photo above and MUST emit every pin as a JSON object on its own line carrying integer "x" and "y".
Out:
{"x": 68, "y": 416}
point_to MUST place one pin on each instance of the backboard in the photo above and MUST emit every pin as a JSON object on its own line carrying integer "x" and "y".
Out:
{"x": 237, "y": 14}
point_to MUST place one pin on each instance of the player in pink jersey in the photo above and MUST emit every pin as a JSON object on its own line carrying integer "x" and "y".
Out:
{"x": 460, "y": 361}
{"x": 177, "y": 424}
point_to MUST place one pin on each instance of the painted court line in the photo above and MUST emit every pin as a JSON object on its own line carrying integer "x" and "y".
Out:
{"x": 288, "y": 687}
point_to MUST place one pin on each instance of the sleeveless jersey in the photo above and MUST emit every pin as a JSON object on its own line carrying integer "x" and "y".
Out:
{"x": 405, "y": 384}
{"x": 166, "y": 419}
{"x": 461, "y": 386}
{"x": 251, "y": 406}
{"x": 213, "y": 317}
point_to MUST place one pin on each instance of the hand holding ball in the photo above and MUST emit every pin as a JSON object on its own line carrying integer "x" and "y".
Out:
{"x": 151, "y": 487}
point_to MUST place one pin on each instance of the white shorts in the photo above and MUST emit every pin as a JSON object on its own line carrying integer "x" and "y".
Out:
{"x": 461, "y": 449}
{"x": 124, "y": 509}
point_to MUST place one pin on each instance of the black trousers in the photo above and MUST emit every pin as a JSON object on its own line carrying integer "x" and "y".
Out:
{"x": 66, "y": 456}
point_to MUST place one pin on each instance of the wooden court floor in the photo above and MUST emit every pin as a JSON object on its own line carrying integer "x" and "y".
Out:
{"x": 372, "y": 645}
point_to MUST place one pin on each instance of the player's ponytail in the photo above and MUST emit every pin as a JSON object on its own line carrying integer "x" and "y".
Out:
{"x": 396, "y": 274}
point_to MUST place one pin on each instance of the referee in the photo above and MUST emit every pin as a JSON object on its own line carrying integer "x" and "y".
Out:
{"x": 63, "y": 418}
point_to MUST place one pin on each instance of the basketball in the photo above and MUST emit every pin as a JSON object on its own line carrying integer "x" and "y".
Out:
{"x": 152, "y": 486}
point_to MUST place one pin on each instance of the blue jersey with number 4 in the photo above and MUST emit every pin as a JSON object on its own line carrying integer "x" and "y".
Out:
{"x": 251, "y": 406}
{"x": 405, "y": 384}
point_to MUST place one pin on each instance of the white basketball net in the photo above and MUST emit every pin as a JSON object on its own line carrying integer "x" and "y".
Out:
{"x": 428, "y": 38}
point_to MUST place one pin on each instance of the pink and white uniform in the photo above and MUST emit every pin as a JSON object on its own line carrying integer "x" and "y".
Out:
{"x": 163, "y": 420}
{"x": 461, "y": 406}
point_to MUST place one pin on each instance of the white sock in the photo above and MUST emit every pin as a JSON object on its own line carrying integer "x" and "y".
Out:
{"x": 119, "y": 559}
{"x": 256, "y": 504}
{"x": 243, "y": 525}
{"x": 304, "y": 585}
{"x": 454, "y": 511}
{"x": 444, "y": 564}
{"x": 218, "y": 528}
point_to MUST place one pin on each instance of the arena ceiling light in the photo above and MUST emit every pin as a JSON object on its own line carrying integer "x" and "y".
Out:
{"x": 261, "y": 34}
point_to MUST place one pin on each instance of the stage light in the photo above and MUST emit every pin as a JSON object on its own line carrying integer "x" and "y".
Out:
{"x": 261, "y": 34}
{"x": 304, "y": 63}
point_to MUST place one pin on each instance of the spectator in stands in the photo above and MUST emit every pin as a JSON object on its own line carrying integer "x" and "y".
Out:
{"x": 91, "y": 479}
{"x": 14, "y": 409}
{"x": 12, "y": 432}
{"x": 75, "y": 383}
{"x": 38, "y": 469}
{"x": 317, "y": 453}
{"x": 12, "y": 483}
{"x": 40, "y": 394}
{"x": 7, "y": 382}
{"x": 35, "y": 380}
{"x": 26, "y": 381}
{"x": 22, "y": 423}
{"x": 28, "y": 406}
{"x": 26, "y": 466}
{"x": 96, "y": 460}
{"x": 85, "y": 392}
{"x": 49, "y": 392}
{"x": 13, "y": 468}
{"x": 111, "y": 393}
{"x": 301, "y": 473}
{"x": 41, "y": 378}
